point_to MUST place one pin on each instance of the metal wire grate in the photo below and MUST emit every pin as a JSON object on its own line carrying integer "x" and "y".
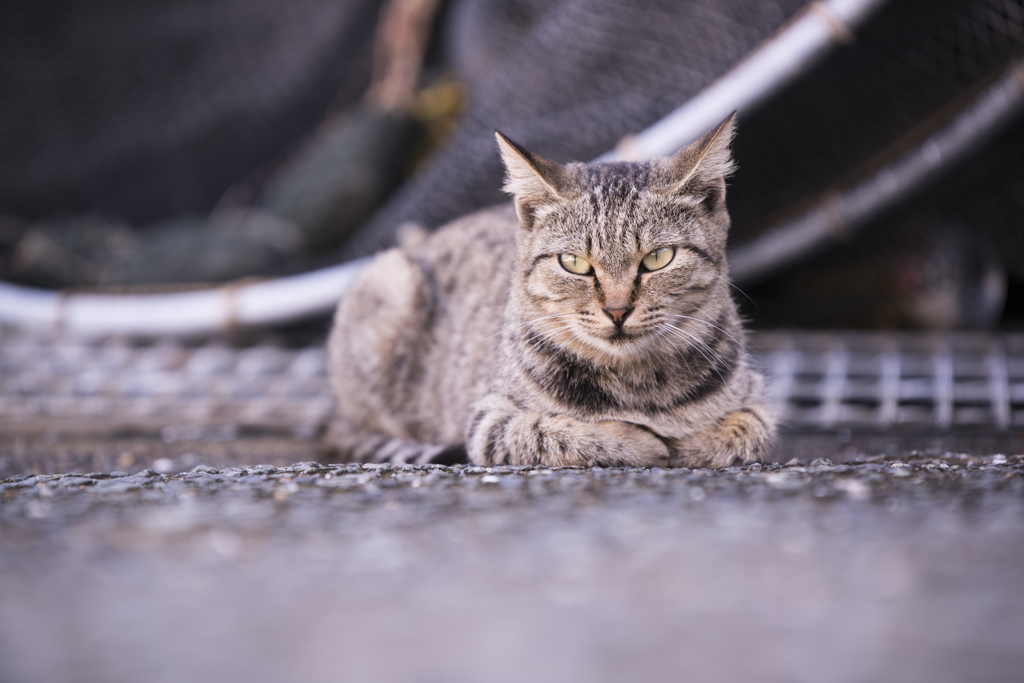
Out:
{"x": 819, "y": 381}
{"x": 895, "y": 380}
{"x": 184, "y": 391}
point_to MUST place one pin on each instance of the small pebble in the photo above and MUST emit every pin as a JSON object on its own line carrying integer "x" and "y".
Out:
{"x": 116, "y": 486}
{"x": 854, "y": 488}
{"x": 163, "y": 465}
{"x": 37, "y": 509}
{"x": 18, "y": 482}
{"x": 76, "y": 481}
{"x": 224, "y": 542}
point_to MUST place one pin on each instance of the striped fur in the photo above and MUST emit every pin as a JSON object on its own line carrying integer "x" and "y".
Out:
{"x": 476, "y": 337}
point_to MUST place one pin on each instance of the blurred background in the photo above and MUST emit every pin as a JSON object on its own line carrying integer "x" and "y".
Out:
{"x": 179, "y": 141}
{"x": 175, "y": 145}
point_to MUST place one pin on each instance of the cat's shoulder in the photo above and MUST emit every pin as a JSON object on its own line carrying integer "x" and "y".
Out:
{"x": 494, "y": 227}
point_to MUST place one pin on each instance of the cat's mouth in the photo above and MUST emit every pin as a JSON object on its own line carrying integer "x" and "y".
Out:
{"x": 619, "y": 336}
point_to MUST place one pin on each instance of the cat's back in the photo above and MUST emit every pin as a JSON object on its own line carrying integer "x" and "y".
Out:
{"x": 469, "y": 256}
{"x": 416, "y": 337}
{"x": 468, "y": 267}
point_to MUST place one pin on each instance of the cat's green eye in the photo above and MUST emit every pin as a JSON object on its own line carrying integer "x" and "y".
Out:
{"x": 659, "y": 258}
{"x": 575, "y": 264}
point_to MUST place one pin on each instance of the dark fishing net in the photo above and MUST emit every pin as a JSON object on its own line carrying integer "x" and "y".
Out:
{"x": 909, "y": 68}
{"x": 148, "y": 111}
{"x": 568, "y": 80}
{"x": 952, "y": 256}
{"x": 144, "y": 110}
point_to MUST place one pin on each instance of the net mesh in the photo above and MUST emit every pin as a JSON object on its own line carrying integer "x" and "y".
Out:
{"x": 570, "y": 81}
{"x": 906, "y": 72}
{"x": 145, "y": 110}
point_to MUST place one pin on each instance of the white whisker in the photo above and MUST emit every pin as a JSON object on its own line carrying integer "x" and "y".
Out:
{"x": 705, "y": 322}
{"x": 510, "y": 328}
{"x": 733, "y": 285}
{"x": 699, "y": 346}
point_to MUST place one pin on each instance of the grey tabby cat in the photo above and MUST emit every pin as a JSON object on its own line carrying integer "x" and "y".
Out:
{"x": 591, "y": 326}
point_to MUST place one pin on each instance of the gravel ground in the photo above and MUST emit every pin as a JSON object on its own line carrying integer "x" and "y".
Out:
{"x": 874, "y": 569}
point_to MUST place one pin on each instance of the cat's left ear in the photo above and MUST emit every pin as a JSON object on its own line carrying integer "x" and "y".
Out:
{"x": 700, "y": 170}
{"x": 531, "y": 179}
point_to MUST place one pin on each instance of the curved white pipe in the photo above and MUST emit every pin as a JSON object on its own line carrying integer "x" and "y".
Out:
{"x": 839, "y": 215}
{"x": 180, "y": 314}
{"x": 791, "y": 52}
{"x": 771, "y": 66}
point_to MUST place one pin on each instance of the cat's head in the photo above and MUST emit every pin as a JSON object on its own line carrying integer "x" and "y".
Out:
{"x": 620, "y": 258}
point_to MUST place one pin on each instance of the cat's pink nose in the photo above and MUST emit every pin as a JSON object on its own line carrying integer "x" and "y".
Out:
{"x": 618, "y": 315}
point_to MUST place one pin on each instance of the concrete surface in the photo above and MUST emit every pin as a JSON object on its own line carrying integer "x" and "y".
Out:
{"x": 874, "y": 570}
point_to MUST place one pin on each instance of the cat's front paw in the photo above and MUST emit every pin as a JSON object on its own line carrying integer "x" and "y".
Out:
{"x": 500, "y": 434}
{"x": 623, "y": 444}
{"x": 740, "y": 437}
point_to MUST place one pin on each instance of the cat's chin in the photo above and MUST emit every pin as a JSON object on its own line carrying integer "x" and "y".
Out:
{"x": 612, "y": 349}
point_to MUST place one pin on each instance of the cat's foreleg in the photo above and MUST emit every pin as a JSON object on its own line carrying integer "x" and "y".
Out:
{"x": 739, "y": 437}
{"x": 499, "y": 433}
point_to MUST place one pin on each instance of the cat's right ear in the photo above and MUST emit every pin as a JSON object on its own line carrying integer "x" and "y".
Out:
{"x": 533, "y": 180}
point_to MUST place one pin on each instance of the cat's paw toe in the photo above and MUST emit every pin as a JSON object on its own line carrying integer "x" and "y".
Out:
{"x": 740, "y": 437}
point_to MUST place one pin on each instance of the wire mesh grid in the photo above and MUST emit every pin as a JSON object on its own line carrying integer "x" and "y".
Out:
{"x": 184, "y": 391}
{"x": 819, "y": 381}
{"x": 890, "y": 380}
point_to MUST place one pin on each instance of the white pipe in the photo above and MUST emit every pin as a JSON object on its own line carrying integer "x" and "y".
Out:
{"x": 779, "y": 60}
{"x": 181, "y": 314}
{"x": 775, "y": 63}
{"x": 839, "y": 215}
